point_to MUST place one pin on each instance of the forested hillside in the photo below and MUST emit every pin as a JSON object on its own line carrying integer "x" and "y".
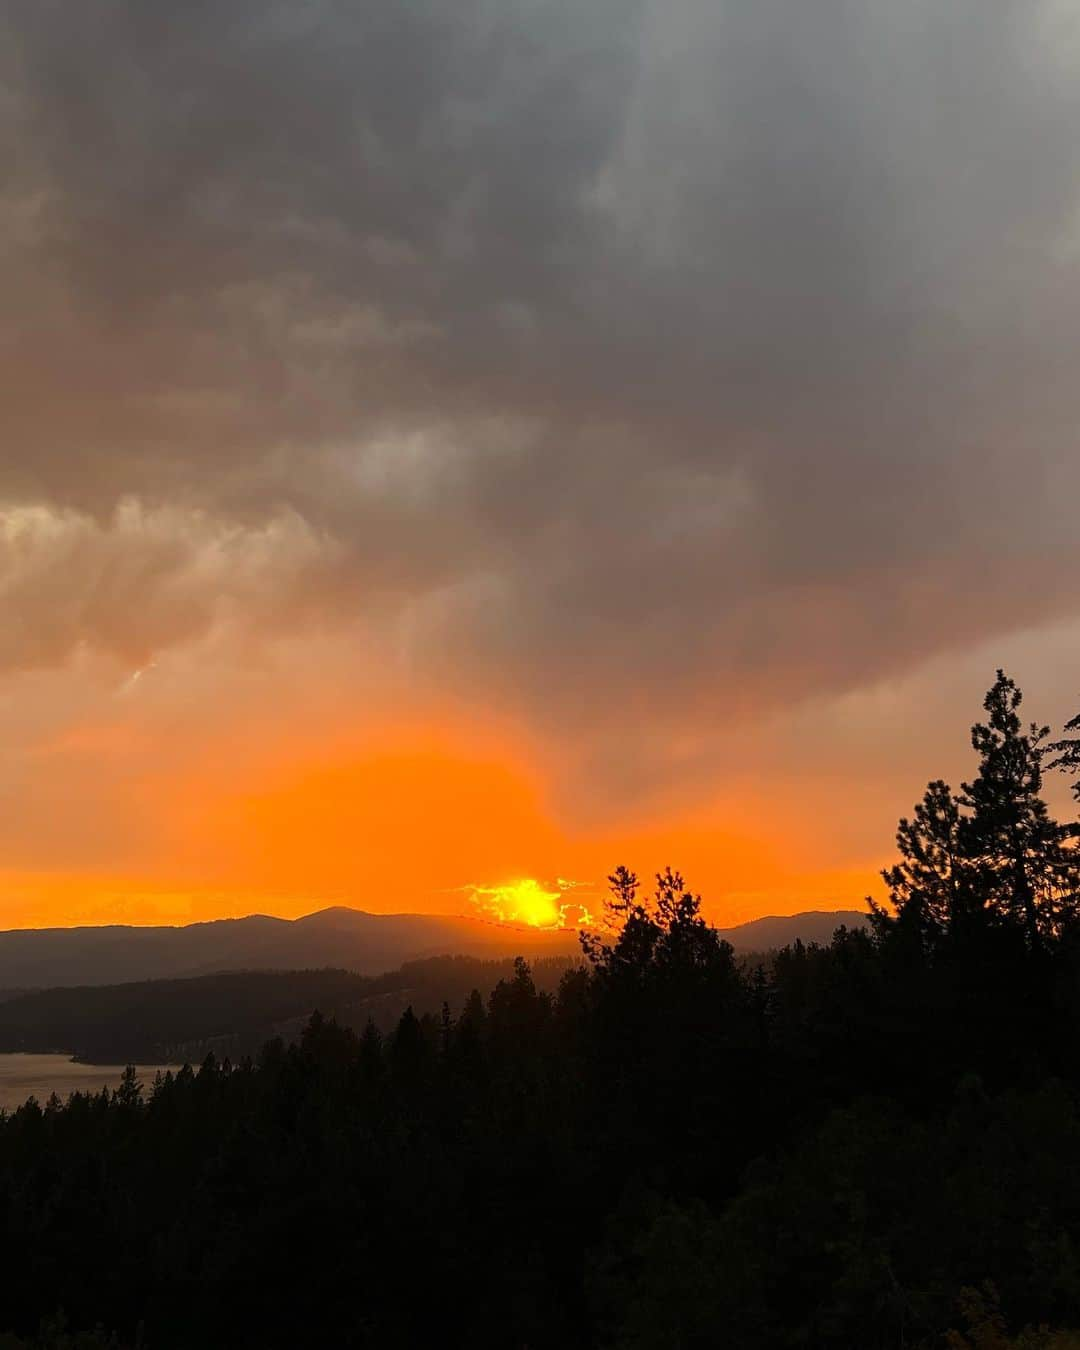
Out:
{"x": 235, "y": 1013}
{"x": 232, "y": 1013}
{"x": 870, "y": 1144}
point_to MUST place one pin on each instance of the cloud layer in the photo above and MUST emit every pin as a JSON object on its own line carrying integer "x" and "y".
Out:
{"x": 636, "y": 371}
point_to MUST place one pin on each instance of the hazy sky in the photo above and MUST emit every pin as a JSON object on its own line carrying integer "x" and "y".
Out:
{"x": 448, "y": 442}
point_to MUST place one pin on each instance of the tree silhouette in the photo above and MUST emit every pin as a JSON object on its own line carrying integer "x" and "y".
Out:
{"x": 930, "y": 887}
{"x": 1025, "y": 867}
{"x": 1067, "y": 753}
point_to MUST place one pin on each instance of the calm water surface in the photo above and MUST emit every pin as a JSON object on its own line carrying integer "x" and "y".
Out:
{"x": 23, "y": 1076}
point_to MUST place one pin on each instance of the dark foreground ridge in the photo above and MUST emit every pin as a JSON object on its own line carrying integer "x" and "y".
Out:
{"x": 869, "y": 1143}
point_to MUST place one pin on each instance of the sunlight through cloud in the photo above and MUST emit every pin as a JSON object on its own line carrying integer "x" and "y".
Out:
{"x": 531, "y": 902}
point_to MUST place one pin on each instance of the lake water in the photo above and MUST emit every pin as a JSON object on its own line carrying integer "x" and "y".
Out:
{"x": 23, "y": 1076}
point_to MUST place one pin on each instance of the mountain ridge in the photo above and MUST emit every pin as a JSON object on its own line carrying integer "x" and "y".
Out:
{"x": 338, "y": 936}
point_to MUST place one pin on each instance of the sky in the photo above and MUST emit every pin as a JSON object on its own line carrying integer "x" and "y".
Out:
{"x": 445, "y": 444}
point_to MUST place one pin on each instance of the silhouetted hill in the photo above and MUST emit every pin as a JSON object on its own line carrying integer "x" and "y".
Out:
{"x": 234, "y": 1013}
{"x": 761, "y": 935}
{"x": 170, "y": 1020}
{"x": 350, "y": 939}
{"x": 345, "y": 938}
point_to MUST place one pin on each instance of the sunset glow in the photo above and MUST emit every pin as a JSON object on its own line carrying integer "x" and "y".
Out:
{"x": 498, "y": 477}
{"x": 528, "y": 901}
{"x": 540, "y": 673}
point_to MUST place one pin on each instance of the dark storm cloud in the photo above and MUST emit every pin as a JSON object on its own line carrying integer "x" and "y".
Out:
{"x": 707, "y": 352}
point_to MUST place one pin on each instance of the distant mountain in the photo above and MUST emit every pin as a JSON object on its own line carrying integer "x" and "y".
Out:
{"x": 352, "y": 939}
{"x": 761, "y": 935}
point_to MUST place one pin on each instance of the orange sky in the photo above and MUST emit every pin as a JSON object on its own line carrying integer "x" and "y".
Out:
{"x": 410, "y": 821}
{"x": 149, "y": 820}
{"x": 225, "y": 782}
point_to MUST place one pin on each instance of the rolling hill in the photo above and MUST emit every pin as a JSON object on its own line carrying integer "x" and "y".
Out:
{"x": 766, "y": 934}
{"x": 350, "y": 939}
{"x": 234, "y": 1013}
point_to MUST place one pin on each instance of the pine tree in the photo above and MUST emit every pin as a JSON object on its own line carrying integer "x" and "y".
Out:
{"x": 129, "y": 1093}
{"x": 471, "y": 1032}
{"x": 622, "y": 910}
{"x": 930, "y": 887}
{"x": 623, "y": 885}
{"x": 516, "y": 1012}
{"x": 1067, "y": 753}
{"x": 1020, "y": 854}
{"x": 473, "y": 1015}
{"x": 634, "y": 925}
{"x": 408, "y": 1050}
{"x": 686, "y": 939}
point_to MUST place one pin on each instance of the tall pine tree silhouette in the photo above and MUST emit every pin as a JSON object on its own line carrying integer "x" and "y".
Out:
{"x": 1020, "y": 854}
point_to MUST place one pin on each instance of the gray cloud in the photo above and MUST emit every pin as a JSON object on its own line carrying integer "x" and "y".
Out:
{"x": 628, "y": 359}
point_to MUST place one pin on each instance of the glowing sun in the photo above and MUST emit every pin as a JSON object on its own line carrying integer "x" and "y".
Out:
{"x": 528, "y": 901}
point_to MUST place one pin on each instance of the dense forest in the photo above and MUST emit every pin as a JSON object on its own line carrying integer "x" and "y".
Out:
{"x": 871, "y": 1143}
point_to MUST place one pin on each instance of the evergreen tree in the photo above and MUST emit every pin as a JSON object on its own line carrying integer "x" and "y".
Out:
{"x": 686, "y": 941}
{"x": 931, "y": 886}
{"x": 470, "y": 1033}
{"x": 473, "y": 1016}
{"x": 129, "y": 1093}
{"x": 408, "y": 1050}
{"x": 665, "y": 933}
{"x": 516, "y": 1012}
{"x": 1067, "y": 753}
{"x": 1023, "y": 861}
{"x": 634, "y": 926}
